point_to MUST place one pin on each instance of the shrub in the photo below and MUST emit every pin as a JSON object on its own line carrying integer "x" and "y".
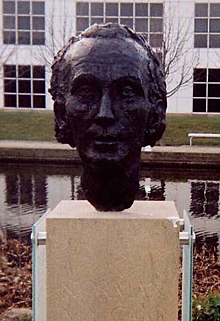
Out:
{"x": 207, "y": 309}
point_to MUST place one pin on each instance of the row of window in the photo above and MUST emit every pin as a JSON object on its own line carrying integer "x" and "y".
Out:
{"x": 123, "y": 9}
{"x": 24, "y": 22}
{"x": 24, "y": 87}
{"x": 142, "y": 17}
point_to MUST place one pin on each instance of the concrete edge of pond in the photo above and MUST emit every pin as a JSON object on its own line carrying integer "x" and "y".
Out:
{"x": 53, "y": 152}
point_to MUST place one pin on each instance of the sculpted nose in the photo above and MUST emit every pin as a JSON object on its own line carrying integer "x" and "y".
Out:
{"x": 105, "y": 113}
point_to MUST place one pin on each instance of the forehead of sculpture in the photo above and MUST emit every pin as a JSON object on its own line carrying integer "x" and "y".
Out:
{"x": 110, "y": 58}
{"x": 106, "y": 49}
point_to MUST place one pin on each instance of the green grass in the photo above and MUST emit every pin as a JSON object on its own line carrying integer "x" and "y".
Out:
{"x": 27, "y": 125}
{"x": 178, "y": 127}
{"x": 39, "y": 125}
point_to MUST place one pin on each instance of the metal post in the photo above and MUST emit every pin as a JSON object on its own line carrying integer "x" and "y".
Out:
{"x": 187, "y": 269}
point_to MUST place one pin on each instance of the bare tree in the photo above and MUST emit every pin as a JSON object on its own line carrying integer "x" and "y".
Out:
{"x": 177, "y": 44}
{"x": 6, "y": 52}
{"x": 58, "y": 31}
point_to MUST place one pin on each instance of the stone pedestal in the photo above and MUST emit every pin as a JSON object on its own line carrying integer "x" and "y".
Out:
{"x": 112, "y": 266}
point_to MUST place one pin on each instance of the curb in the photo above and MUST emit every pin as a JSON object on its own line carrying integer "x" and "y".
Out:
{"x": 159, "y": 156}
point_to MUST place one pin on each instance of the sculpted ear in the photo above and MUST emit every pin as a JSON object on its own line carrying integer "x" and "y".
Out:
{"x": 156, "y": 125}
{"x": 63, "y": 131}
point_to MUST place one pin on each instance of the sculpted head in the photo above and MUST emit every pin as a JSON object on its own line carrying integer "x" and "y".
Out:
{"x": 109, "y": 100}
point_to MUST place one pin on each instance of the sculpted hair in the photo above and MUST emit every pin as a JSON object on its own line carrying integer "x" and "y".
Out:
{"x": 157, "y": 87}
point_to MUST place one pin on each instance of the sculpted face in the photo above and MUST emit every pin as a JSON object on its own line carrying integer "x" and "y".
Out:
{"x": 105, "y": 100}
{"x": 109, "y": 101}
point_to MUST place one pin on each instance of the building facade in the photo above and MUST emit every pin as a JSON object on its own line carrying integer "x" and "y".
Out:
{"x": 184, "y": 33}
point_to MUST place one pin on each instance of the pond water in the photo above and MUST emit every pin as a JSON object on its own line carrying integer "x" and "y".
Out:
{"x": 27, "y": 191}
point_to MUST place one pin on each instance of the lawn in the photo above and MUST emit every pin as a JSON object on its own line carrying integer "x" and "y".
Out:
{"x": 178, "y": 127}
{"x": 39, "y": 125}
{"x": 27, "y": 125}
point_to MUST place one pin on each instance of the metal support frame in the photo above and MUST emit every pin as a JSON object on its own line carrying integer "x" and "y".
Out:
{"x": 187, "y": 270}
{"x": 42, "y": 237}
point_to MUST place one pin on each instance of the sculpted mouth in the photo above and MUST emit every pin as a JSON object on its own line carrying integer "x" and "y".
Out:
{"x": 106, "y": 139}
{"x": 99, "y": 142}
{"x": 106, "y": 142}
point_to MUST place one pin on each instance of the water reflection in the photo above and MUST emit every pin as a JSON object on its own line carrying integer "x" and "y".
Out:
{"x": 150, "y": 191}
{"x": 27, "y": 191}
{"x": 204, "y": 199}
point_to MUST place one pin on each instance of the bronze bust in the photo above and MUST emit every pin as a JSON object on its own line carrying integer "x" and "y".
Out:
{"x": 109, "y": 98}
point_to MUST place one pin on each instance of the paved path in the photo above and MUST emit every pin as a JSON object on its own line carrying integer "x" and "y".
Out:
{"x": 44, "y": 152}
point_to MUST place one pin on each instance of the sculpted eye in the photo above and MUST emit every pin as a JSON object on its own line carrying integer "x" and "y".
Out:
{"x": 127, "y": 92}
{"x": 83, "y": 91}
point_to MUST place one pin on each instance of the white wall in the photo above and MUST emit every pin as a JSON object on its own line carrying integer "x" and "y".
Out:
{"x": 60, "y": 17}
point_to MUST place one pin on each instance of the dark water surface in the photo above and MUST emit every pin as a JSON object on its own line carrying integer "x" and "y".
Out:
{"x": 27, "y": 191}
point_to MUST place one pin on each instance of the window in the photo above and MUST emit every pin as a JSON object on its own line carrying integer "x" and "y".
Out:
{"x": 207, "y": 25}
{"x": 206, "y": 93}
{"x": 24, "y": 86}
{"x": 142, "y": 17}
{"x": 23, "y": 22}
